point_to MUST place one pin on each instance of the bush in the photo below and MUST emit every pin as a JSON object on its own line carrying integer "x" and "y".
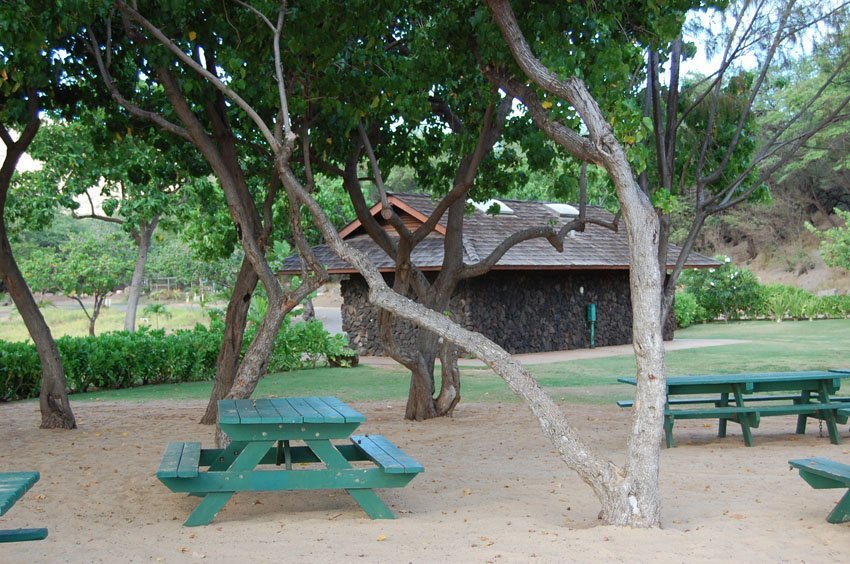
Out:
{"x": 688, "y": 310}
{"x": 303, "y": 345}
{"x": 783, "y": 301}
{"x": 835, "y": 306}
{"x": 113, "y": 360}
{"x": 727, "y": 290}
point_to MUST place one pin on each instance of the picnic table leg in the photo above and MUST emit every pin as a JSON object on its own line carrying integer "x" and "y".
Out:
{"x": 841, "y": 512}
{"x": 721, "y": 426}
{"x": 250, "y": 454}
{"x": 366, "y": 498}
{"x": 743, "y": 418}
{"x": 802, "y": 418}
{"x": 668, "y": 430}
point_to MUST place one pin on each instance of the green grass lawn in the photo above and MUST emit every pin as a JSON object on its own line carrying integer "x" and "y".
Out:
{"x": 800, "y": 345}
{"x": 66, "y": 320}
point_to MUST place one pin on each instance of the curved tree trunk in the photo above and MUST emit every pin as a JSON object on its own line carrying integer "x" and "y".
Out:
{"x": 53, "y": 399}
{"x": 231, "y": 344}
{"x": 135, "y": 290}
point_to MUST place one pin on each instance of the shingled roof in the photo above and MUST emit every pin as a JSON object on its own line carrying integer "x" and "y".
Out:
{"x": 595, "y": 248}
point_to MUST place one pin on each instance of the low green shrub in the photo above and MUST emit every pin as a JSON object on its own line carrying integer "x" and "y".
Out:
{"x": 728, "y": 290}
{"x": 304, "y": 344}
{"x": 688, "y": 310}
{"x": 789, "y": 301}
{"x": 835, "y": 306}
{"x": 113, "y": 360}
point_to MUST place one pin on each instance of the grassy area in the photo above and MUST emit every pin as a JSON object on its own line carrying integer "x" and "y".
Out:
{"x": 70, "y": 320}
{"x": 800, "y": 345}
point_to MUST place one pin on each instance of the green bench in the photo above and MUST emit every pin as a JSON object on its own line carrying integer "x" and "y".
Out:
{"x": 13, "y": 485}
{"x": 823, "y": 473}
{"x": 717, "y": 401}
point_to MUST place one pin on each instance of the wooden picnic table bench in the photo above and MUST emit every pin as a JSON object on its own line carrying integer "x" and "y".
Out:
{"x": 746, "y": 398}
{"x": 262, "y": 432}
{"x": 13, "y": 485}
{"x": 823, "y": 473}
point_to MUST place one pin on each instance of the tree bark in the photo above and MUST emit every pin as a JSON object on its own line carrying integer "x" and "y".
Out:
{"x": 231, "y": 344}
{"x": 135, "y": 290}
{"x": 53, "y": 401}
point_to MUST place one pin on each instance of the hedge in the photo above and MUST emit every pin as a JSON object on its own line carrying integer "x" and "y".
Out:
{"x": 113, "y": 360}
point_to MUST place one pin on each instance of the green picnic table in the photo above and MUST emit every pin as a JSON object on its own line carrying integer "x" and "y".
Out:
{"x": 745, "y": 398}
{"x": 13, "y": 485}
{"x": 262, "y": 453}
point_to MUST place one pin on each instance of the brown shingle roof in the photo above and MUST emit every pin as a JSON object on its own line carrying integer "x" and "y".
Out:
{"x": 595, "y": 248}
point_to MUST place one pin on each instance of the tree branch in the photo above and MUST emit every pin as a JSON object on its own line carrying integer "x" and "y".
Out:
{"x": 116, "y": 95}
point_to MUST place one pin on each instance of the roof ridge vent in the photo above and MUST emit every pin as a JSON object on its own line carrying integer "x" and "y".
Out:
{"x": 485, "y": 207}
{"x": 563, "y": 210}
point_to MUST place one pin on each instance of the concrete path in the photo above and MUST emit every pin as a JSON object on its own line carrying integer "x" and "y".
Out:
{"x": 576, "y": 354}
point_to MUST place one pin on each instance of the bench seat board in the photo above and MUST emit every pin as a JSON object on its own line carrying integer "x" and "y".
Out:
{"x": 386, "y": 455}
{"x": 829, "y": 473}
{"x": 180, "y": 460}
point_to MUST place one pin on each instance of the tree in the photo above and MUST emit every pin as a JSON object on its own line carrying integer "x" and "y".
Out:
{"x": 157, "y": 310}
{"x": 136, "y": 174}
{"x": 202, "y": 117}
{"x": 29, "y": 82}
{"x": 628, "y": 495}
{"x": 88, "y": 266}
{"x": 707, "y": 152}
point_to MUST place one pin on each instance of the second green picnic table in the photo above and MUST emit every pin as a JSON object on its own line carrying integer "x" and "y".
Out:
{"x": 732, "y": 397}
{"x": 262, "y": 432}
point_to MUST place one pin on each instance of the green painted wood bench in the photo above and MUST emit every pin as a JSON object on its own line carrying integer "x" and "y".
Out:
{"x": 823, "y": 473}
{"x": 13, "y": 485}
{"x": 717, "y": 400}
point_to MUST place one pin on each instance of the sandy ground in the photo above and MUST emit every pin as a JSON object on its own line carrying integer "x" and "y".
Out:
{"x": 493, "y": 491}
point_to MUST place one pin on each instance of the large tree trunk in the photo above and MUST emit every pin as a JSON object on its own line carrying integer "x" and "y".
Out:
{"x": 231, "y": 344}
{"x": 53, "y": 399}
{"x": 135, "y": 290}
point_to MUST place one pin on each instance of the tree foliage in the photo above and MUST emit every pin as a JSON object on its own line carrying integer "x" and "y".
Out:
{"x": 88, "y": 266}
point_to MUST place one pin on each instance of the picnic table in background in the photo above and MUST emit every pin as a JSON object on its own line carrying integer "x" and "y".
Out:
{"x": 262, "y": 432}
{"x": 13, "y": 485}
{"x": 733, "y": 397}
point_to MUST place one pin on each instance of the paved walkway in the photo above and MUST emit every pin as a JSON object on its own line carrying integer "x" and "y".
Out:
{"x": 576, "y": 354}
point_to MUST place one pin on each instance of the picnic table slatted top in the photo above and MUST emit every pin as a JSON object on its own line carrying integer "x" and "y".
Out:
{"x": 748, "y": 377}
{"x": 13, "y": 485}
{"x": 287, "y": 411}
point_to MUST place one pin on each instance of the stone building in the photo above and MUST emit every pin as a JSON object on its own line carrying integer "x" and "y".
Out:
{"x": 535, "y": 299}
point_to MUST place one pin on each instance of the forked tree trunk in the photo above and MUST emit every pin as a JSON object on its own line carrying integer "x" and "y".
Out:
{"x": 230, "y": 352}
{"x": 135, "y": 290}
